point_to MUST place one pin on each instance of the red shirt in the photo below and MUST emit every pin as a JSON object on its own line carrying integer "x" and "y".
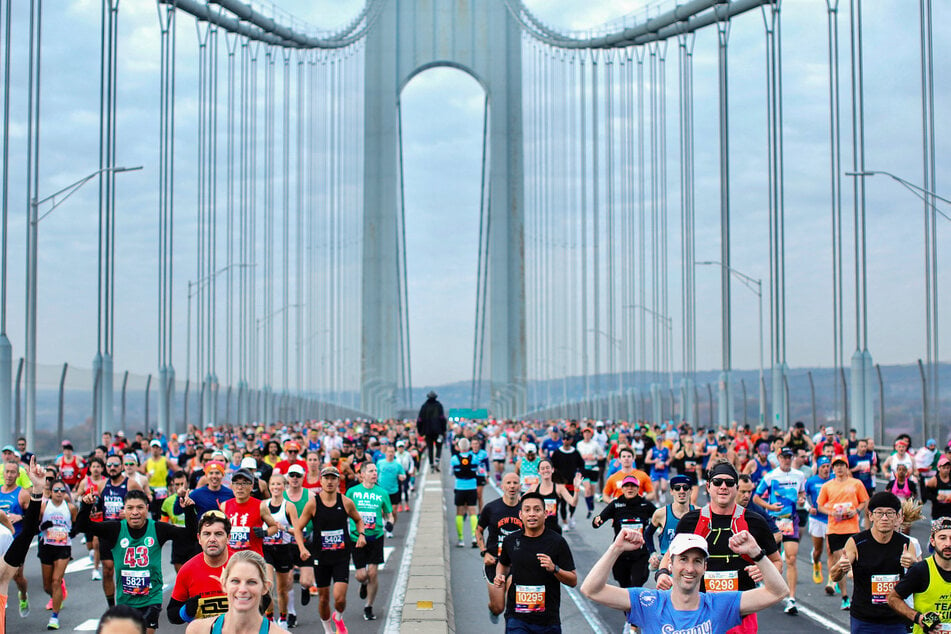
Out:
{"x": 284, "y": 465}
{"x": 198, "y": 579}
{"x": 243, "y": 518}
{"x": 312, "y": 485}
{"x": 836, "y": 445}
{"x": 69, "y": 470}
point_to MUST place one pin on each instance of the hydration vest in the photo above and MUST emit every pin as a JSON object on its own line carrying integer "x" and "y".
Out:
{"x": 737, "y": 523}
{"x": 465, "y": 470}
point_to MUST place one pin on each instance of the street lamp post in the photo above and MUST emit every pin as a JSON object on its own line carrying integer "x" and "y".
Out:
{"x": 755, "y": 285}
{"x": 29, "y": 354}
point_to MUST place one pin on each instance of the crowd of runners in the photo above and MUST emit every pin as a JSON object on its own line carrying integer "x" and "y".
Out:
{"x": 707, "y": 522}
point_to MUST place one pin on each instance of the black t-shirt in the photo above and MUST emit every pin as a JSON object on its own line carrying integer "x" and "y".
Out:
{"x": 635, "y": 514}
{"x": 500, "y": 520}
{"x": 721, "y": 557}
{"x": 566, "y": 464}
{"x": 877, "y": 566}
{"x": 534, "y": 595}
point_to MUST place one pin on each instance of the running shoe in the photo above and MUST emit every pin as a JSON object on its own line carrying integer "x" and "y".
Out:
{"x": 291, "y": 620}
{"x": 830, "y": 589}
{"x": 475, "y": 544}
{"x": 24, "y": 606}
{"x": 571, "y": 522}
{"x": 588, "y": 516}
{"x": 461, "y": 544}
{"x": 368, "y": 614}
{"x": 337, "y": 620}
{"x": 65, "y": 591}
{"x": 53, "y": 623}
{"x": 282, "y": 623}
{"x": 817, "y": 572}
{"x": 493, "y": 617}
{"x": 846, "y": 604}
{"x": 791, "y": 607}
{"x": 49, "y": 605}
{"x": 363, "y": 591}
{"x": 96, "y": 574}
{"x": 304, "y": 595}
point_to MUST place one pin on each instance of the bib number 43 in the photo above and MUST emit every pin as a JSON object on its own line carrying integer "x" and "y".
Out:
{"x": 136, "y": 557}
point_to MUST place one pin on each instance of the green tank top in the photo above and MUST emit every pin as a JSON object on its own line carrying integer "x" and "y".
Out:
{"x": 138, "y": 564}
{"x": 299, "y": 505}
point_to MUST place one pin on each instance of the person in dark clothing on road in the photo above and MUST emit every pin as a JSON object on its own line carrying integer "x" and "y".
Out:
{"x": 431, "y": 423}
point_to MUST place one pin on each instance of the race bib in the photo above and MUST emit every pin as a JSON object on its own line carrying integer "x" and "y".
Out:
{"x": 276, "y": 539}
{"x": 841, "y": 510}
{"x": 690, "y": 465}
{"x": 944, "y": 496}
{"x": 785, "y": 526}
{"x": 529, "y": 481}
{"x": 721, "y": 581}
{"x": 551, "y": 507}
{"x": 369, "y": 521}
{"x": 135, "y": 583}
{"x": 881, "y": 586}
{"x": 633, "y": 524}
{"x": 57, "y": 536}
{"x": 240, "y": 538}
{"x": 332, "y": 540}
{"x": 111, "y": 507}
{"x": 160, "y": 493}
{"x": 529, "y": 599}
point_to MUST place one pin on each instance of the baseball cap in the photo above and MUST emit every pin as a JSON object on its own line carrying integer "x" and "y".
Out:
{"x": 943, "y": 460}
{"x": 786, "y": 451}
{"x": 931, "y": 442}
{"x": 243, "y": 474}
{"x": 329, "y": 471}
{"x": 249, "y": 463}
{"x": 631, "y": 480}
{"x": 680, "y": 479}
{"x": 800, "y": 425}
{"x": 823, "y": 460}
{"x": 531, "y": 448}
{"x": 830, "y": 429}
{"x": 683, "y": 542}
{"x": 840, "y": 458}
{"x": 296, "y": 468}
{"x": 215, "y": 465}
{"x": 155, "y": 443}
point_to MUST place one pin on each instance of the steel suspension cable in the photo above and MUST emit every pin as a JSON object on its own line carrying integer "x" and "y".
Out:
{"x": 595, "y": 225}
{"x": 285, "y": 220}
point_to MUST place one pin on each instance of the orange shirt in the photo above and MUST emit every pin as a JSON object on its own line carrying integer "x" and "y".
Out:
{"x": 612, "y": 488}
{"x": 847, "y": 494}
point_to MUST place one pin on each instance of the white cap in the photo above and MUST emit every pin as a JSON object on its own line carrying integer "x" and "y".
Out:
{"x": 830, "y": 430}
{"x": 682, "y": 542}
{"x": 249, "y": 463}
{"x": 531, "y": 448}
{"x": 155, "y": 443}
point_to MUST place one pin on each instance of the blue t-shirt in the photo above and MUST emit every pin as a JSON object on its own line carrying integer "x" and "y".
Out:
{"x": 464, "y": 484}
{"x": 782, "y": 487}
{"x": 813, "y": 485}
{"x": 652, "y": 611}
{"x": 206, "y": 500}
{"x": 390, "y": 473}
{"x": 550, "y": 445}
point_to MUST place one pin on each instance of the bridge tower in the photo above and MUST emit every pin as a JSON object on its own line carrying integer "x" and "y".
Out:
{"x": 481, "y": 38}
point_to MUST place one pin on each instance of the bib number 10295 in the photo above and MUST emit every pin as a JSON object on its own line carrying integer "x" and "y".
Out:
{"x": 136, "y": 557}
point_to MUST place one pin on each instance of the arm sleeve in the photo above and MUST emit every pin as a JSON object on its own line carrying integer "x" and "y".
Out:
{"x": 915, "y": 580}
{"x": 166, "y": 531}
{"x": 108, "y": 530}
{"x": 174, "y": 611}
{"x": 16, "y": 553}
{"x": 649, "y": 536}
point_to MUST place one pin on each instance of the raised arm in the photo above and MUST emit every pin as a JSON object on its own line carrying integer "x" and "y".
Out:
{"x": 774, "y": 588}
{"x": 595, "y": 585}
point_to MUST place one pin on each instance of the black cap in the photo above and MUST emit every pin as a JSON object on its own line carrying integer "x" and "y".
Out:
{"x": 800, "y": 425}
{"x": 884, "y": 499}
{"x": 722, "y": 468}
{"x": 243, "y": 474}
{"x": 787, "y": 451}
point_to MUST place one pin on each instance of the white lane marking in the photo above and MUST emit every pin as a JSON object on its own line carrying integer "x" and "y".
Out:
{"x": 90, "y": 625}
{"x": 821, "y": 620}
{"x": 78, "y": 565}
{"x": 594, "y": 621}
{"x": 394, "y": 615}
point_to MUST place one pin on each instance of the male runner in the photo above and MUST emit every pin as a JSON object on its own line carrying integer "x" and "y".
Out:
{"x": 591, "y": 452}
{"x": 779, "y": 492}
{"x": 666, "y": 518}
{"x": 197, "y": 592}
{"x": 157, "y": 468}
{"x": 328, "y": 512}
{"x": 659, "y": 460}
{"x": 247, "y": 514}
{"x": 498, "y": 446}
{"x": 14, "y": 500}
{"x": 464, "y": 489}
{"x": 111, "y": 503}
{"x": 539, "y": 561}
{"x": 299, "y": 496}
{"x": 373, "y": 504}
{"x": 567, "y": 462}
{"x": 877, "y": 559}
{"x": 843, "y": 498}
{"x": 818, "y": 521}
{"x": 137, "y": 544}
{"x": 929, "y": 581}
{"x": 684, "y": 608}
{"x": 500, "y": 518}
{"x": 210, "y": 496}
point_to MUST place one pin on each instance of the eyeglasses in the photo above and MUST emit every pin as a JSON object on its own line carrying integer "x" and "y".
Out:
{"x": 879, "y": 513}
{"x": 243, "y": 483}
{"x": 719, "y": 482}
{"x": 681, "y": 487}
{"x": 60, "y": 490}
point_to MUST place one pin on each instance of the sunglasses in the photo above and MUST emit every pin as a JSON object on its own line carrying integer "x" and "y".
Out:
{"x": 60, "y": 490}
{"x": 719, "y": 482}
{"x": 294, "y": 475}
{"x": 134, "y": 464}
{"x": 214, "y": 513}
{"x": 113, "y": 464}
{"x": 681, "y": 487}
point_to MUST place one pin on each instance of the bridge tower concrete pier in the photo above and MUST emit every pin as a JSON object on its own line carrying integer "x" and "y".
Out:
{"x": 481, "y": 38}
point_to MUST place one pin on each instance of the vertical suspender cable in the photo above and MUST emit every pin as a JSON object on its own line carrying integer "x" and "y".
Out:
{"x": 583, "y": 252}
{"x": 651, "y": 313}
{"x": 574, "y": 304}
{"x": 930, "y": 227}
{"x": 662, "y": 319}
{"x": 726, "y": 405}
{"x": 595, "y": 228}
{"x": 285, "y": 221}
{"x": 609, "y": 207}
{"x": 835, "y": 176}
{"x": 231, "y": 42}
{"x": 300, "y": 301}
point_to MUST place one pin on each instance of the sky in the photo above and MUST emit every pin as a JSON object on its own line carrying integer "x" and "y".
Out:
{"x": 442, "y": 111}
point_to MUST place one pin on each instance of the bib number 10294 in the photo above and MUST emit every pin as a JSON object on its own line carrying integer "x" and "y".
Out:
{"x": 136, "y": 557}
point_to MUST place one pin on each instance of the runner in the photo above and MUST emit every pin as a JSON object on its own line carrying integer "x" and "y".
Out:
{"x": 843, "y": 498}
{"x": 666, "y": 518}
{"x": 929, "y": 582}
{"x": 630, "y": 512}
{"x": 818, "y": 521}
{"x": 591, "y": 452}
{"x": 136, "y": 543}
{"x": 296, "y": 494}
{"x": 464, "y": 490}
{"x": 182, "y": 550}
{"x": 498, "y": 452}
{"x": 211, "y": 495}
{"x": 93, "y": 483}
{"x": 373, "y": 504}
{"x": 779, "y": 492}
{"x": 197, "y": 593}
{"x": 687, "y": 462}
{"x": 328, "y": 512}
{"x": 553, "y": 493}
{"x": 877, "y": 559}
{"x": 245, "y": 582}
{"x": 391, "y": 475}
{"x": 684, "y": 608}
{"x": 279, "y": 551}
{"x": 247, "y": 514}
{"x": 527, "y": 467}
{"x": 863, "y": 465}
{"x": 54, "y": 551}
{"x": 539, "y": 561}
{"x": 481, "y": 460}
{"x": 12, "y": 562}
{"x": 659, "y": 460}
{"x": 405, "y": 458}
{"x": 722, "y": 517}
{"x": 500, "y": 518}
{"x": 940, "y": 486}
{"x": 14, "y": 500}
{"x": 158, "y": 468}
{"x": 612, "y": 488}
{"x": 69, "y": 465}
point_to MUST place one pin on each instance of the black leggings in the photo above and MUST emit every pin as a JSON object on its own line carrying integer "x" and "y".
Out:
{"x": 432, "y": 443}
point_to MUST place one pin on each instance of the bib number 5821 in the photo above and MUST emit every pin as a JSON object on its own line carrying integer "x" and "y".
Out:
{"x": 136, "y": 557}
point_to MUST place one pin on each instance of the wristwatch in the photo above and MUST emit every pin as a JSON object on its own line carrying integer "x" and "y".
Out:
{"x": 762, "y": 553}
{"x": 555, "y": 571}
{"x": 482, "y": 553}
